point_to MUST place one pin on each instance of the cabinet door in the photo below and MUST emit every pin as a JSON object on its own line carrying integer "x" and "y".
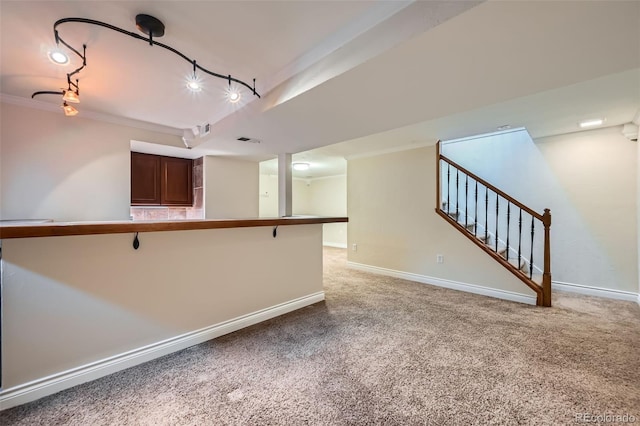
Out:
{"x": 177, "y": 183}
{"x": 145, "y": 179}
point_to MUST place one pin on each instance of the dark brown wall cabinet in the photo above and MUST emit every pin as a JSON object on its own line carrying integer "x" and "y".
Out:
{"x": 161, "y": 181}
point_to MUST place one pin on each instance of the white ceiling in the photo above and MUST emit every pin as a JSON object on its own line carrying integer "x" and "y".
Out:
{"x": 266, "y": 40}
{"x": 367, "y": 76}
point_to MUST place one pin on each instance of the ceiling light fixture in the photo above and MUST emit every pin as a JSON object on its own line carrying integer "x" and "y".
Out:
{"x": 150, "y": 26}
{"x": 591, "y": 123}
{"x": 69, "y": 110}
{"x": 71, "y": 96}
{"x": 194, "y": 85}
{"x": 233, "y": 96}
{"x": 301, "y": 166}
{"x": 58, "y": 57}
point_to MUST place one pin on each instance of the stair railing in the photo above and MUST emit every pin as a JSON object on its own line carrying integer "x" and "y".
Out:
{"x": 496, "y": 222}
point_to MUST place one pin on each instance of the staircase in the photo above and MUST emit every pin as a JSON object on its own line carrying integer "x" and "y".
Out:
{"x": 511, "y": 233}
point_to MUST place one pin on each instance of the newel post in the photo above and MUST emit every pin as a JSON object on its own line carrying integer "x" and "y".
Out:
{"x": 438, "y": 202}
{"x": 546, "y": 276}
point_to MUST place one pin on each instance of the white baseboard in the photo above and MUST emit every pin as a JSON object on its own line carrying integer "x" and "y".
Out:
{"x": 51, "y": 384}
{"x": 337, "y": 245}
{"x": 595, "y": 291}
{"x": 454, "y": 285}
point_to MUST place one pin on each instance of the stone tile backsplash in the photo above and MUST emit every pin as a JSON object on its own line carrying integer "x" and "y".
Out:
{"x": 166, "y": 213}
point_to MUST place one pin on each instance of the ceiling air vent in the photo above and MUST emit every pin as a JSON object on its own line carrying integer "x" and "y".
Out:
{"x": 205, "y": 129}
{"x": 250, "y": 140}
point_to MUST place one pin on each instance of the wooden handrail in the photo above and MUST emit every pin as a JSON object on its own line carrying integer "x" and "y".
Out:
{"x": 523, "y": 277}
{"x": 543, "y": 290}
{"x": 491, "y": 187}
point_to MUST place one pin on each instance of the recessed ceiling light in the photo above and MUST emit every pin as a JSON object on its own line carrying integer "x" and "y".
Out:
{"x": 58, "y": 57}
{"x": 591, "y": 123}
{"x": 301, "y": 166}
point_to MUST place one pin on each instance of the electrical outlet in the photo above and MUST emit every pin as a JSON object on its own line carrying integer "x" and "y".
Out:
{"x": 439, "y": 258}
{"x": 354, "y": 247}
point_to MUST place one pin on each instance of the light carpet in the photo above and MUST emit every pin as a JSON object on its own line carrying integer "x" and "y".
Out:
{"x": 381, "y": 351}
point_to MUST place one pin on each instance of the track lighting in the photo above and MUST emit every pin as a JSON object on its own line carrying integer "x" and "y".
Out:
{"x": 71, "y": 96}
{"x": 68, "y": 95}
{"x": 193, "y": 83}
{"x": 69, "y": 110}
{"x": 151, "y": 27}
{"x": 232, "y": 93}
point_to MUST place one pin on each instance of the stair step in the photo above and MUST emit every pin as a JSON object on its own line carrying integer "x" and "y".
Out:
{"x": 482, "y": 238}
{"x": 453, "y": 215}
{"x": 502, "y": 251}
{"x": 469, "y": 226}
{"x": 524, "y": 267}
{"x": 492, "y": 245}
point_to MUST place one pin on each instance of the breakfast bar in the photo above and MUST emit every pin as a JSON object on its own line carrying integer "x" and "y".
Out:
{"x": 84, "y": 299}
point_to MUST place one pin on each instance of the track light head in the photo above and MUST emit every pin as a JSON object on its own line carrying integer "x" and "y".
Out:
{"x": 69, "y": 111}
{"x": 194, "y": 85}
{"x": 234, "y": 96}
{"x": 71, "y": 96}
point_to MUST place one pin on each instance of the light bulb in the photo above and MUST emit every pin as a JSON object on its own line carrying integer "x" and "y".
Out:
{"x": 71, "y": 96}
{"x": 194, "y": 85}
{"x": 69, "y": 111}
{"x": 234, "y": 96}
{"x": 57, "y": 57}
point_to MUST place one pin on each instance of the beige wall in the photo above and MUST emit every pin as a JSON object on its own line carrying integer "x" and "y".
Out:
{"x": 393, "y": 222}
{"x": 269, "y": 196}
{"x": 328, "y": 197}
{"x": 66, "y": 168}
{"x": 597, "y": 172}
{"x": 61, "y": 313}
{"x": 268, "y": 190}
{"x": 325, "y": 196}
{"x": 230, "y": 188}
{"x": 588, "y": 180}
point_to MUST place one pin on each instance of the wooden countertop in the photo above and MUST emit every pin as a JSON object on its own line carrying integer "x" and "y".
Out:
{"x": 56, "y": 229}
